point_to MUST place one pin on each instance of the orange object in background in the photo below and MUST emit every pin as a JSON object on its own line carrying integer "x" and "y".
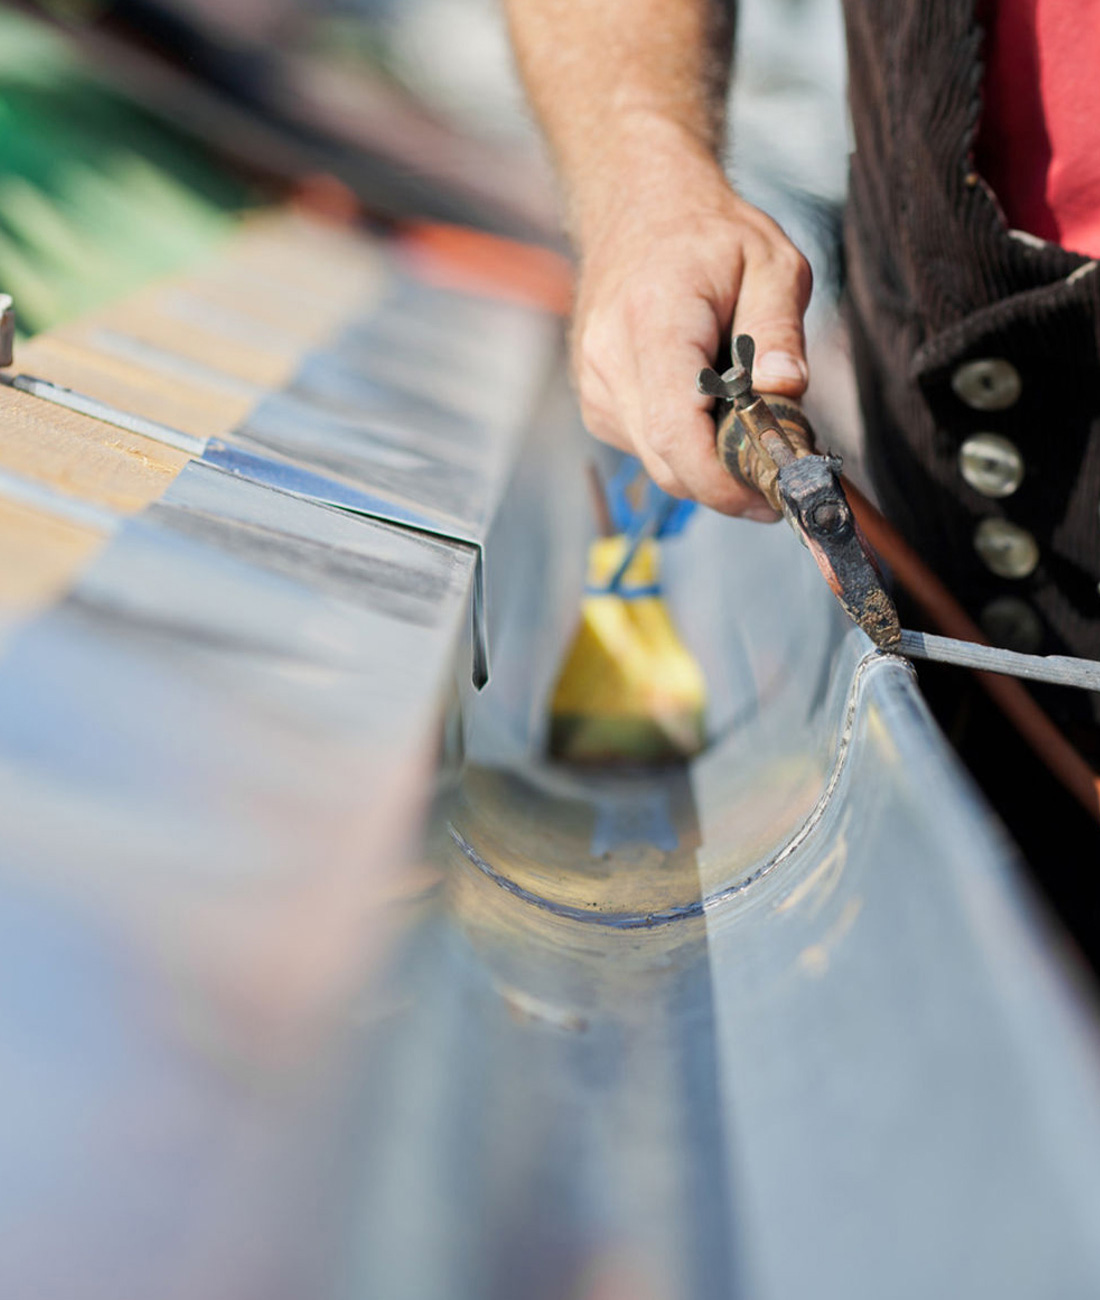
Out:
{"x": 325, "y": 197}
{"x": 456, "y": 257}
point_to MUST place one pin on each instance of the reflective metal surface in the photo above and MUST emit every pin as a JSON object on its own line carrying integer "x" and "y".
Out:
{"x": 780, "y": 1023}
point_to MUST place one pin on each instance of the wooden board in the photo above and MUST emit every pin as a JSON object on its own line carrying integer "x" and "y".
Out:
{"x": 82, "y": 457}
{"x": 194, "y": 352}
{"x": 40, "y": 557}
{"x": 195, "y": 408}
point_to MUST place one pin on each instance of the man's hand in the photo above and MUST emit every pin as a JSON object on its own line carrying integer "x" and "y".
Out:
{"x": 630, "y": 95}
{"x": 664, "y": 279}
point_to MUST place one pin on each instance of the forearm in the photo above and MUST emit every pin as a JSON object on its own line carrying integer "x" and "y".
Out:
{"x": 630, "y": 94}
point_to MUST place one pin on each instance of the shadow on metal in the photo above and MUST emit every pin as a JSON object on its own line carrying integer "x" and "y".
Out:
{"x": 779, "y": 1023}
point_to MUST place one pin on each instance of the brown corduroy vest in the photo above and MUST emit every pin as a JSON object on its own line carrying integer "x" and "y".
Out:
{"x": 937, "y": 281}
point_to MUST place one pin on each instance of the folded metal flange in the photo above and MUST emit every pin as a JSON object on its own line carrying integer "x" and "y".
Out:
{"x": 282, "y": 474}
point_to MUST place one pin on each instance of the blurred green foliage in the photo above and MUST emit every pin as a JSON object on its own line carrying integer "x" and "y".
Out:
{"x": 96, "y": 196}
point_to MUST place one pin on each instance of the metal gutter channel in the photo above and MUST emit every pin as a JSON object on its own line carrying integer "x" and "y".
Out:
{"x": 785, "y": 1023}
{"x": 260, "y": 1036}
{"x": 935, "y": 1128}
{"x": 343, "y": 434}
{"x": 214, "y": 757}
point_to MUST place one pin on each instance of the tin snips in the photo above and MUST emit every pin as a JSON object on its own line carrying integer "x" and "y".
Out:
{"x": 770, "y": 446}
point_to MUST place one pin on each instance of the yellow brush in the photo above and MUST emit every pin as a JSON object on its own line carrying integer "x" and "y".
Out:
{"x": 629, "y": 690}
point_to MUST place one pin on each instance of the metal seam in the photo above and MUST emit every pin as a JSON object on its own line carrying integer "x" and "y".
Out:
{"x": 817, "y": 813}
{"x": 699, "y": 907}
{"x": 478, "y": 602}
{"x": 69, "y": 398}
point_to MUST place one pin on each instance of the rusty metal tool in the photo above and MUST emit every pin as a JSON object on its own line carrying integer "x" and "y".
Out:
{"x": 769, "y": 445}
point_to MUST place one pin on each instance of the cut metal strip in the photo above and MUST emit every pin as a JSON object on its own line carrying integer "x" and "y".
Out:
{"x": 1061, "y": 670}
{"x": 295, "y": 480}
{"x": 285, "y": 476}
{"x": 97, "y": 410}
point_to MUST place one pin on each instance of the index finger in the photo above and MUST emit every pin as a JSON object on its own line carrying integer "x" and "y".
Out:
{"x": 675, "y": 423}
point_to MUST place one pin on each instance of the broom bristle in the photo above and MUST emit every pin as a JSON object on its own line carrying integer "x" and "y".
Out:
{"x": 629, "y": 691}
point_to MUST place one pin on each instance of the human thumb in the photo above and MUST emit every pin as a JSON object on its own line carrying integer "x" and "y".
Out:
{"x": 770, "y": 307}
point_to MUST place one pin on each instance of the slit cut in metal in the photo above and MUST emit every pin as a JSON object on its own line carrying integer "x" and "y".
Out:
{"x": 1061, "y": 670}
{"x": 284, "y": 475}
{"x": 637, "y": 920}
{"x": 97, "y": 410}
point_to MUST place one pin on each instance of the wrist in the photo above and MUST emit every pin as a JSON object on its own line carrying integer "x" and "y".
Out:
{"x": 648, "y": 171}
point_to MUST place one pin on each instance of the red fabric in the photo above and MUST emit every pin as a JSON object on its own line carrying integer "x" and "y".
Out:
{"x": 1039, "y": 141}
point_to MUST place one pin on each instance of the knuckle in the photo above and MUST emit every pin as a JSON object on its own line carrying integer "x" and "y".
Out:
{"x": 665, "y": 479}
{"x": 800, "y": 272}
{"x": 755, "y": 247}
{"x": 600, "y": 424}
{"x": 662, "y": 442}
{"x": 593, "y": 374}
{"x": 590, "y": 385}
{"x": 608, "y": 436}
{"x": 791, "y": 260}
{"x": 780, "y": 257}
{"x": 589, "y": 347}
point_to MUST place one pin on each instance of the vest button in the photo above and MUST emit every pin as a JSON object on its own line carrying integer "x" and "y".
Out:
{"x": 988, "y": 384}
{"x": 991, "y": 464}
{"x": 1005, "y": 548}
{"x": 1012, "y": 624}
